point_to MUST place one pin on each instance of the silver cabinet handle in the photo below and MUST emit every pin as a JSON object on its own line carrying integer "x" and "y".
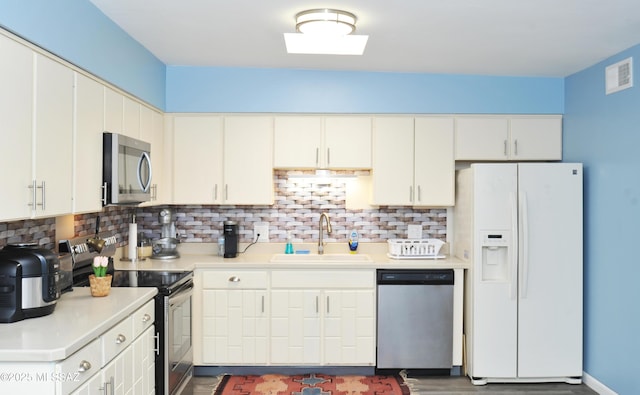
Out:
{"x": 84, "y": 366}
{"x": 226, "y": 191}
{"x": 317, "y": 304}
{"x": 215, "y": 192}
{"x": 515, "y": 147}
{"x": 328, "y": 309}
{"x": 328, "y": 157}
{"x": 419, "y": 194}
{"x": 146, "y": 318}
{"x": 120, "y": 339}
{"x": 104, "y": 194}
{"x": 263, "y": 303}
{"x": 33, "y": 194}
{"x": 43, "y": 191}
{"x": 157, "y": 338}
{"x": 234, "y": 279}
{"x": 317, "y": 156}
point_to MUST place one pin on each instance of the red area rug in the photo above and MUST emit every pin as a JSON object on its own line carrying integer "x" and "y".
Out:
{"x": 311, "y": 384}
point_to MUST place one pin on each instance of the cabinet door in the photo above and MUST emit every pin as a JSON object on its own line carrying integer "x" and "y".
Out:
{"x": 434, "y": 162}
{"x": 131, "y": 118}
{"x": 248, "y": 160}
{"x": 295, "y": 327}
{"x": 197, "y": 161}
{"x": 537, "y": 138}
{"x": 349, "y": 327}
{"x": 144, "y": 363}
{"x": 235, "y": 327}
{"x": 95, "y": 386}
{"x": 53, "y": 138}
{"x": 482, "y": 139}
{"x": 393, "y": 161}
{"x": 113, "y": 111}
{"x": 297, "y": 142}
{"x": 16, "y": 109}
{"x": 117, "y": 375}
{"x": 152, "y": 131}
{"x": 89, "y": 124}
{"x": 347, "y": 143}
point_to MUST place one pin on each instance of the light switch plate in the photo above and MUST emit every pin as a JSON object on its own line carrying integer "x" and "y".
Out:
{"x": 414, "y": 232}
{"x": 263, "y": 230}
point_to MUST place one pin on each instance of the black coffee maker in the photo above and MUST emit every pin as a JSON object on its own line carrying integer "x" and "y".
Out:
{"x": 230, "y": 230}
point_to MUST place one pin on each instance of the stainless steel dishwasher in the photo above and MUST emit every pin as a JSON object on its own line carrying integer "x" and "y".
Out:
{"x": 415, "y": 319}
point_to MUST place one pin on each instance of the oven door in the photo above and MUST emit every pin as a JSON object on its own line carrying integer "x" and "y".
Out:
{"x": 178, "y": 344}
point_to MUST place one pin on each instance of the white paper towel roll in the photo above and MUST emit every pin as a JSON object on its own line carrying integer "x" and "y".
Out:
{"x": 133, "y": 242}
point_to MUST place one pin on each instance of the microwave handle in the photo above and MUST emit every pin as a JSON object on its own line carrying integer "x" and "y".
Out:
{"x": 144, "y": 158}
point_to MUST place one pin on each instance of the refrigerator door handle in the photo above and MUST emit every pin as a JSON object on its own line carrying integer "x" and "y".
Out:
{"x": 525, "y": 245}
{"x": 514, "y": 247}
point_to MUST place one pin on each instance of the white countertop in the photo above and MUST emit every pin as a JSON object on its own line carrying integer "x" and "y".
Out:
{"x": 203, "y": 256}
{"x": 77, "y": 319}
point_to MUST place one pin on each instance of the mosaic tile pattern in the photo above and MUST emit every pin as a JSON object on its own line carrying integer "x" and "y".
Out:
{"x": 297, "y": 208}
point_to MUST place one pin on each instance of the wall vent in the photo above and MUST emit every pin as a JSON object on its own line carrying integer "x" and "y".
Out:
{"x": 619, "y": 76}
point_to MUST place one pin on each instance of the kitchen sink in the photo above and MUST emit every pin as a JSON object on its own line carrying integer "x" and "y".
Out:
{"x": 315, "y": 258}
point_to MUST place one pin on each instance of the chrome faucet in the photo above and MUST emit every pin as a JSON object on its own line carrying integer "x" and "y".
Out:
{"x": 320, "y": 243}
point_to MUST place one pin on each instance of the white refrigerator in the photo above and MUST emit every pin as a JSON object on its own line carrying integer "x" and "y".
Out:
{"x": 520, "y": 224}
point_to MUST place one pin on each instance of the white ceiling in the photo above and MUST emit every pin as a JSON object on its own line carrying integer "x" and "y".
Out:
{"x": 489, "y": 37}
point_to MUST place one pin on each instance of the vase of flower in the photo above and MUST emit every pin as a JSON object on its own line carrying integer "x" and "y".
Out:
{"x": 100, "y": 281}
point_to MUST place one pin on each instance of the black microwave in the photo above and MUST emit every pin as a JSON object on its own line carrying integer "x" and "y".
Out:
{"x": 126, "y": 170}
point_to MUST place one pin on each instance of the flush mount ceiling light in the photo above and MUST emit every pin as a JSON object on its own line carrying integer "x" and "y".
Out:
{"x": 325, "y": 31}
{"x": 326, "y": 22}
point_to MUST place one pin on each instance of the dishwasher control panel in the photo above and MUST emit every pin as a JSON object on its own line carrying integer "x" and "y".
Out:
{"x": 408, "y": 277}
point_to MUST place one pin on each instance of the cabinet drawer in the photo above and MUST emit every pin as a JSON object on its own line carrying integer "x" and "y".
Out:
{"x": 79, "y": 367}
{"x": 143, "y": 318}
{"x": 116, "y": 339}
{"x": 323, "y": 279}
{"x": 234, "y": 279}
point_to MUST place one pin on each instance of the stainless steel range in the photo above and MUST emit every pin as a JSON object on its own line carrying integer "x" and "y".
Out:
{"x": 173, "y": 308}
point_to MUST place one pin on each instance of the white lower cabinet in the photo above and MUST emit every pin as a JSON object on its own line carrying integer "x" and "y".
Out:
{"x": 234, "y": 317}
{"x": 285, "y": 317}
{"x": 323, "y": 317}
{"x": 124, "y": 359}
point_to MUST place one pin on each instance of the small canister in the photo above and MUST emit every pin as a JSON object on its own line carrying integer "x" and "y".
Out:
{"x": 145, "y": 249}
{"x": 221, "y": 246}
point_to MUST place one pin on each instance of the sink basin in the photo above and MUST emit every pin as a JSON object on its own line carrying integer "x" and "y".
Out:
{"x": 315, "y": 258}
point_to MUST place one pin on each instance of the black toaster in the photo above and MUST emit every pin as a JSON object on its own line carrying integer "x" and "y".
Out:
{"x": 29, "y": 278}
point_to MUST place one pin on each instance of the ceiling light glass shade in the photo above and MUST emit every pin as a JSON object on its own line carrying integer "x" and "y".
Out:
{"x": 318, "y": 45}
{"x": 326, "y": 22}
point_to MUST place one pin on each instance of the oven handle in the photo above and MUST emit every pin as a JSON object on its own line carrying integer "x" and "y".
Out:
{"x": 181, "y": 295}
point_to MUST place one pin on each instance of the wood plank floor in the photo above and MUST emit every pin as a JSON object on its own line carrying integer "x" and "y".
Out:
{"x": 201, "y": 385}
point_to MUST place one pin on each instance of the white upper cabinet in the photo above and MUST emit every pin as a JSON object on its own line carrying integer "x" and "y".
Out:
{"x": 536, "y": 138}
{"x": 509, "y": 138}
{"x": 348, "y": 142}
{"x": 113, "y": 111}
{"x": 297, "y": 142}
{"x": 53, "y": 145}
{"x": 89, "y": 124}
{"x": 248, "y": 160}
{"x": 152, "y": 131}
{"x": 197, "y": 159}
{"x": 311, "y": 142}
{"x": 16, "y": 109}
{"x": 131, "y": 118}
{"x": 413, "y": 163}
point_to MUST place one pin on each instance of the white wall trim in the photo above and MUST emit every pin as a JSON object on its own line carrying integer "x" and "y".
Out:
{"x": 597, "y": 386}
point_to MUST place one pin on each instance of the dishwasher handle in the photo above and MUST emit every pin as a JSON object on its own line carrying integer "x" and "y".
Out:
{"x": 416, "y": 277}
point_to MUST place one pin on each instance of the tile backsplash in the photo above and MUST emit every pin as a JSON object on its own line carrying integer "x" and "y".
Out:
{"x": 298, "y": 205}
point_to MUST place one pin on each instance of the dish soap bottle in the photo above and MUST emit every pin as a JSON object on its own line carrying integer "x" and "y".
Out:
{"x": 289, "y": 248}
{"x": 353, "y": 241}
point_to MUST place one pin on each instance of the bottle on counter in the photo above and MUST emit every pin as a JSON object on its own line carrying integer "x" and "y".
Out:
{"x": 353, "y": 241}
{"x": 289, "y": 248}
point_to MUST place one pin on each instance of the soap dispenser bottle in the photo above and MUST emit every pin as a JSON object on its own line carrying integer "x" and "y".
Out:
{"x": 289, "y": 248}
{"x": 353, "y": 241}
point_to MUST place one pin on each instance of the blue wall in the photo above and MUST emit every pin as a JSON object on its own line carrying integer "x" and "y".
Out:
{"x": 603, "y": 132}
{"x": 78, "y": 32}
{"x": 210, "y": 89}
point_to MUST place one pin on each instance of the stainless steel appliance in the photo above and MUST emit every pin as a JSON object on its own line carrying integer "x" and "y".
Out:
{"x": 29, "y": 278}
{"x": 415, "y": 320}
{"x": 167, "y": 246}
{"x": 173, "y": 309}
{"x": 230, "y": 231}
{"x": 126, "y": 170}
{"x": 173, "y": 305}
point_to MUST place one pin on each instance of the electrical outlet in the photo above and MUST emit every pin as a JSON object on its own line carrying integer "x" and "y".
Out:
{"x": 414, "y": 232}
{"x": 263, "y": 230}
